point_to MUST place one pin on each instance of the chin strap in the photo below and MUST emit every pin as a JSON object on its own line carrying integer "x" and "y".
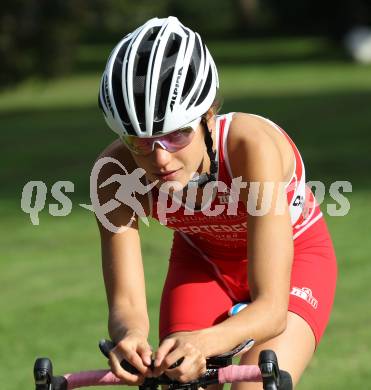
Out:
{"x": 204, "y": 178}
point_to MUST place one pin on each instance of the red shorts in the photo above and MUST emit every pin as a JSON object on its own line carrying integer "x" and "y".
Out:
{"x": 194, "y": 297}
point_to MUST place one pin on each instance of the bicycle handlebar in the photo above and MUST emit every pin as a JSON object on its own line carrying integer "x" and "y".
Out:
{"x": 228, "y": 374}
{"x": 267, "y": 372}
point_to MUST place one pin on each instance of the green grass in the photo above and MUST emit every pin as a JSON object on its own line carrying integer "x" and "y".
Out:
{"x": 53, "y": 300}
{"x": 52, "y": 296}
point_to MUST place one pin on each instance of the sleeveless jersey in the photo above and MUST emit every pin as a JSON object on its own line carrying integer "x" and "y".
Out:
{"x": 218, "y": 232}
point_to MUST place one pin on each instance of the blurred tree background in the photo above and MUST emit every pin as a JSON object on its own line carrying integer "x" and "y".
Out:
{"x": 41, "y": 37}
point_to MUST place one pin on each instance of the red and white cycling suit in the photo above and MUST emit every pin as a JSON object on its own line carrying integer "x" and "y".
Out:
{"x": 208, "y": 265}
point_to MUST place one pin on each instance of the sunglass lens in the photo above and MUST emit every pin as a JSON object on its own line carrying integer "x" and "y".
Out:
{"x": 178, "y": 139}
{"x": 138, "y": 145}
{"x": 172, "y": 142}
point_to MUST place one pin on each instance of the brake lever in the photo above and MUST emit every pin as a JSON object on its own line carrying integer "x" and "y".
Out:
{"x": 43, "y": 374}
{"x": 106, "y": 346}
{"x": 270, "y": 371}
{"x": 225, "y": 359}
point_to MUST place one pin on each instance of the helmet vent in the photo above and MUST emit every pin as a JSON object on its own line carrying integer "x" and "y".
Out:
{"x": 161, "y": 99}
{"x": 139, "y": 97}
{"x": 166, "y": 76}
{"x": 144, "y": 52}
{"x": 153, "y": 33}
{"x": 140, "y": 72}
{"x": 196, "y": 55}
{"x": 206, "y": 88}
{"x": 188, "y": 83}
{"x": 173, "y": 45}
{"x": 139, "y": 107}
{"x": 192, "y": 70}
{"x": 142, "y": 65}
{"x": 116, "y": 87}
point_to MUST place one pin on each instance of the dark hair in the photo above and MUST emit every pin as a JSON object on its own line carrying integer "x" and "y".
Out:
{"x": 215, "y": 107}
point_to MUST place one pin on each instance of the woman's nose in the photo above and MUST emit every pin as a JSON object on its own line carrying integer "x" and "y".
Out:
{"x": 161, "y": 156}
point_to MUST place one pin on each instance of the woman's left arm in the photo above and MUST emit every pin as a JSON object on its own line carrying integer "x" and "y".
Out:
{"x": 256, "y": 158}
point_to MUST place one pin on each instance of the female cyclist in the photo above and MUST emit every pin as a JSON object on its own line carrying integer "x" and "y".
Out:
{"x": 158, "y": 93}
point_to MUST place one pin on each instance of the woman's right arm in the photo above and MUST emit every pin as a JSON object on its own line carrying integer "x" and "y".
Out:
{"x": 123, "y": 274}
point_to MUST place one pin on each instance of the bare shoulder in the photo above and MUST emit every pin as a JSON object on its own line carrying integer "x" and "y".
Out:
{"x": 254, "y": 141}
{"x": 249, "y": 129}
{"x": 114, "y": 159}
{"x": 116, "y": 150}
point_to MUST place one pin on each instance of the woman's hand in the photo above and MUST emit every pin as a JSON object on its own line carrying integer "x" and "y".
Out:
{"x": 135, "y": 349}
{"x": 184, "y": 350}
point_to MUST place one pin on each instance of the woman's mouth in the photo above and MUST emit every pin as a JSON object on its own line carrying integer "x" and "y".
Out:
{"x": 166, "y": 175}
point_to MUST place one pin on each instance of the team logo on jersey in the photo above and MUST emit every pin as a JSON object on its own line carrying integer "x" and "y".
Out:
{"x": 173, "y": 220}
{"x": 223, "y": 197}
{"x": 298, "y": 201}
{"x": 306, "y": 294}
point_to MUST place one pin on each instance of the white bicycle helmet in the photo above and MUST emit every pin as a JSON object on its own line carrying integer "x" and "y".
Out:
{"x": 157, "y": 79}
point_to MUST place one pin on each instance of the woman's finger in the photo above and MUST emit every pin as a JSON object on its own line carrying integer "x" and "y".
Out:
{"x": 130, "y": 379}
{"x": 145, "y": 352}
{"x": 191, "y": 368}
{"x": 163, "y": 350}
{"x": 136, "y": 361}
{"x": 132, "y": 354}
{"x": 174, "y": 358}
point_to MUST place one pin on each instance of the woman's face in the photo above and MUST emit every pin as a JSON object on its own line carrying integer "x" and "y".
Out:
{"x": 178, "y": 166}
